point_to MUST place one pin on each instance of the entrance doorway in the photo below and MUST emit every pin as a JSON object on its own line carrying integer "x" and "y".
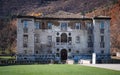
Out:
{"x": 63, "y": 54}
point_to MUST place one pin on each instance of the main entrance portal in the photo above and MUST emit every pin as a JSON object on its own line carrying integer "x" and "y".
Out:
{"x": 63, "y": 54}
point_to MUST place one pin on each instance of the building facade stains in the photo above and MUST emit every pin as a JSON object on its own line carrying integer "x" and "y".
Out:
{"x": 62, "y": 38}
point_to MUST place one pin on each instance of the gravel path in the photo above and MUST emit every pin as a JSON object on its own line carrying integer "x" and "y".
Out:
{"x": 107, "y": 66}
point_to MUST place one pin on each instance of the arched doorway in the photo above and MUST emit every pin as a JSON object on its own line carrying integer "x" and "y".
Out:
{"x": 64, "y": 38}
{"x": 63, "y": 54}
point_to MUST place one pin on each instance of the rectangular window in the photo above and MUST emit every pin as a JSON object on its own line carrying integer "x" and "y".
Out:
{"x": 90, "y": 44}
{"x": 89, "y": 38}
{"x": 25, "y": 41}
{"x": 49, "y": 25}
{"x": 102, "y": 38}
{"x": 43, "y": 25}
{"x": 57, "y": 55}
{"x": 25, "y": 26}
{"x": 36, "y": 38}
{"x": 57, "y": 39}
{"x": 63, "y": 26}
{"x": 90, "y": 31}
{"x": 77, "y": 39}
{"x": 77, "y": 26}
{"x": 25, "y": 51}
{"x": 102, "y": 31}
{"x": 49, "y": 41}
{"x": 102, "y": 44}
{"x": 37, "y": 25}
{"x": 102, "y": 25}
{"x": 70, "y": 40}
{"x": 89, "y": 26}
{"x": 102, "y": 51}
{"x": 49, "y": 38}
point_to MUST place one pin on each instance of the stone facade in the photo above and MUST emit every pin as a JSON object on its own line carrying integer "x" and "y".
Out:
{"x": 62, "y": 38}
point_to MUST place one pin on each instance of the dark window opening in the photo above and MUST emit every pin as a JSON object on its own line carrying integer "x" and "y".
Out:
{"x": 43, "y": 25}
{"x": 89, "y": 38}
{"x": 102, "y": 38}
{"x": 25, "y": 41}
{"x": 36, "y": 52}
{"x": 69, "y": 40}
{"x": 69, "y": 50}
{"x": 57, "y": 39}
{"x": 25, "y": 45}
{"x": 102, "y": 51}
{"x": 90, "y": 31}
{"x": 57, "y": 33}
{"x": 69, "y": 34}
{"x": 57, "y": 50}
{"x": 77, "y": 52}
{"x": 57, "y": 55}
{"x": 90, "y": 44}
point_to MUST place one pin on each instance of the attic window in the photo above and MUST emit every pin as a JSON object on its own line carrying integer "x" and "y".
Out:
{"x": 77, "y": 26}
{"x": 25, "y": 24}
{"x": 37, "y": 25}
{"x": 64, "y": 26}
{"x": 49, "y": 25}
{"x": 102, "y": 25}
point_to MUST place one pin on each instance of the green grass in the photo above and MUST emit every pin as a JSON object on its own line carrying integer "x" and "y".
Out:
{"x": 54, "y": 70}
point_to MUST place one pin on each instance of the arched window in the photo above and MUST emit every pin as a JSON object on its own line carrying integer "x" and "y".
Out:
{"x": 64, "y": 37}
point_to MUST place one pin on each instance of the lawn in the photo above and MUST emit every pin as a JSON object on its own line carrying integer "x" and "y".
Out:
{"x": 54, "y": 70}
